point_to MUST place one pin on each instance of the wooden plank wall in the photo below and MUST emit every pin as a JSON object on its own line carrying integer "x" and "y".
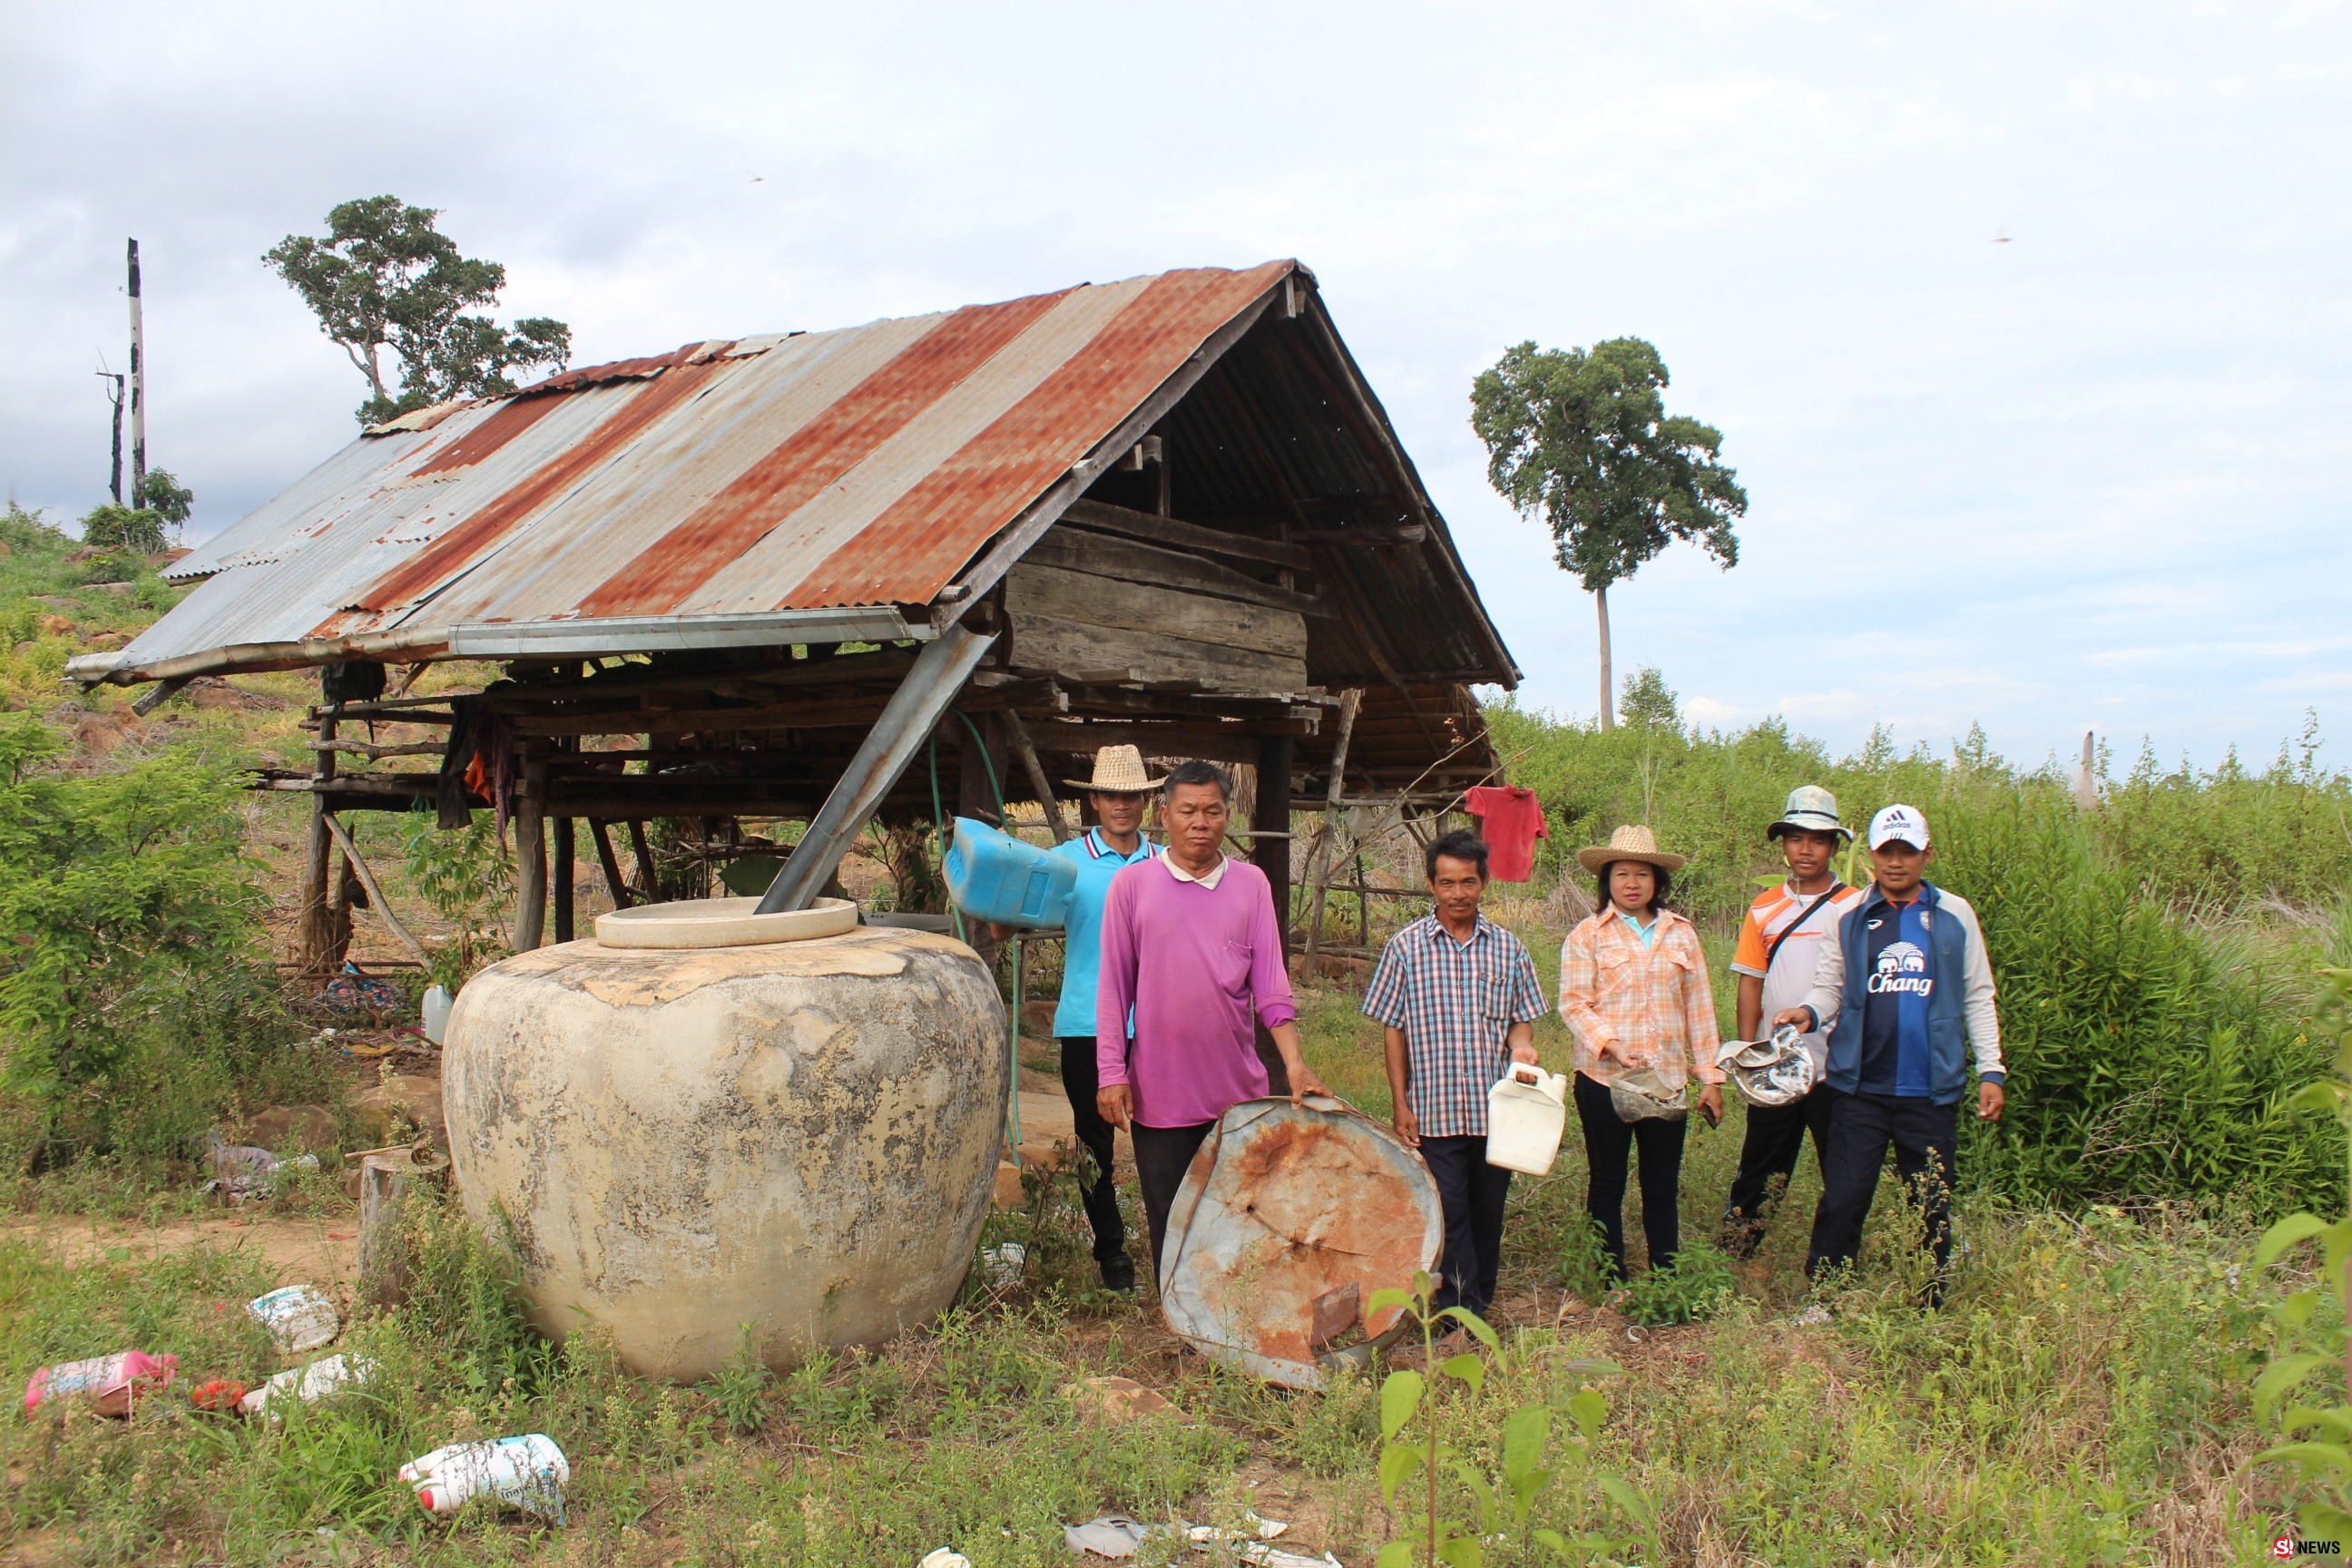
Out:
{"x": 1094, "y": 606}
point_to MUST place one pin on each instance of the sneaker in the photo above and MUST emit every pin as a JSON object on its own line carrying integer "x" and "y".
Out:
{"x": 1815, "y": 1316}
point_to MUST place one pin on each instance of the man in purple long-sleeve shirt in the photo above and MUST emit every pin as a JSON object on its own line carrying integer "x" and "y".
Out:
{"x": 1191, "y": 946}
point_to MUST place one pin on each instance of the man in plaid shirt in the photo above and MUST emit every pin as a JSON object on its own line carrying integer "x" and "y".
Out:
{"x": 1459, "y": 997}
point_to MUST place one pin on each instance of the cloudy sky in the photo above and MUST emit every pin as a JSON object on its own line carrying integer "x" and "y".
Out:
{"x": 2026, "y": 325}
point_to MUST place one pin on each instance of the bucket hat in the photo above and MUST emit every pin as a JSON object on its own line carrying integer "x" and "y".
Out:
{"x": 1118, "y": 770}
{"x": 1631, "y": 842}
{"x": 1810, "y": 809}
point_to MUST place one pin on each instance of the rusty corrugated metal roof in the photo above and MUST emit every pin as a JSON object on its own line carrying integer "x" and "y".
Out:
{"x": 752, "y": 487}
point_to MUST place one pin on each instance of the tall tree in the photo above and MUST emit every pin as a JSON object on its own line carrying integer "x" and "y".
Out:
{"x": 1582, "y": 438}
{"x": 385, "y": 276}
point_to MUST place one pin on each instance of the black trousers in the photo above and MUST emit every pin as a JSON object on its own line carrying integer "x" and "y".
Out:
{"x": 1775, "y": 1138}
{"x": 1471, "y": 1192}
{"x": 1162, "y": 1156}
{"x": 1095, "y": 1136}
{"x": 1924, "y": 1136}
{"x": 1609, "y": 1144}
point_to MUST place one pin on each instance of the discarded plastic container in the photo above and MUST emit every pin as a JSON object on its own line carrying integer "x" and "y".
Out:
{"x": 308, "y": 1384}
{"x": 944, "y": 1557}
{"x": 299, "y": 1317}
{"x": 1526, "y": 1110}
{"x": 993, "y": 876}
{"x": 109, "y": 1381}
{"x": 438, "y": 1002}
{"x": 1003, "y": 1263}
{"x": 218, "y": 1394}
{"x": 528, "y": 1472}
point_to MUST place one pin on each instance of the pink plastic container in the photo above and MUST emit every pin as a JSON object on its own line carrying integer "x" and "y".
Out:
{"x": 109, "y": 1381}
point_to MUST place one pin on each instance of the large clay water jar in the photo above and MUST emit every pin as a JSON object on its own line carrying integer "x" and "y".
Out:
{"x": 720, "y": 1128}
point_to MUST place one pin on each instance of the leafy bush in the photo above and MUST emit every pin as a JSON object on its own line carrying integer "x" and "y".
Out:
{"x": 1697, "y": 1285}
{"x": 133, "y": 531}
{"x": 467, "y": 876}
{"x": 130, "y": 912}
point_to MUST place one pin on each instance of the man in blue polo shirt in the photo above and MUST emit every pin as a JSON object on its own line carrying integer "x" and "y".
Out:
{"x": 1903, "y": 982}
{"x": 1118, "y": 790}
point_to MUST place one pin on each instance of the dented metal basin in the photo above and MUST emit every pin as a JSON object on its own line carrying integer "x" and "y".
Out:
{"x": 800, "y": 1135}
{"x": 1287, "y": 1221}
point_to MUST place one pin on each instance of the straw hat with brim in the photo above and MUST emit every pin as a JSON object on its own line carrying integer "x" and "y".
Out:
{"x": 1118, "y": 770}
{"x": 1631, "y": 842}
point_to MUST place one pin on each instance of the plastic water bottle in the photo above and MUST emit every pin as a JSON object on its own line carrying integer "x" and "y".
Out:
{"x": 528, "y": 1472}
{"x": 310, "y": 1384}
{"x": 299, "y": 1317}
{"x": 109, "y": 1381}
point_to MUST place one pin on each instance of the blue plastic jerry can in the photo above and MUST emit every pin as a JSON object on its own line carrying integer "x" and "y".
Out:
{"x": 993, "y": 876}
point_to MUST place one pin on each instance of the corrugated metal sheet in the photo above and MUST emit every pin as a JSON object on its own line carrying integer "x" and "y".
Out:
{"x": 815, "y": 472}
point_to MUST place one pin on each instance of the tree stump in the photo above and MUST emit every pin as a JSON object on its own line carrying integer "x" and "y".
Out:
{"x": 386, "y": 1181}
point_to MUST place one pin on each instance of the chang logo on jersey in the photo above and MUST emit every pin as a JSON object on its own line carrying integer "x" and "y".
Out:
{"x": 1903, "y": 966}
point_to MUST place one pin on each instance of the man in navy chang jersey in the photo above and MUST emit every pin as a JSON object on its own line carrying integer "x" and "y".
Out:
{"x": 1902, "y": 983}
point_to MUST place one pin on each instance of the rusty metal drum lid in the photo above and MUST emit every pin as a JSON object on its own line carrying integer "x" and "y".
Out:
{"x": 1287, "y": 1221}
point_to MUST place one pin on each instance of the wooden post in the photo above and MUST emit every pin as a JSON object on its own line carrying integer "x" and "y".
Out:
{"x": 563, "y": 877}
{"x": 1318, "y": 868}
{"x": 316, "y": 936}
{"x": 138, "y": 387}
{"x": 530, "y": 857}
{"x": 376, "y": 899}
{"x": 610, "y": 863}
{"x": 646, "y": 876}
{"x": 1270, "y": 814}
{"x": 975, "y": 799}
{"x": 1037, "y": 779}
{"x": 385, "y": 1180}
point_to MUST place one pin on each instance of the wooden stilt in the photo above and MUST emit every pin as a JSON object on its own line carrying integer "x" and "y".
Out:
{"x": 610, "y": 863}
{"x": 530, "y": 859}
{"x": 316, "y": 939}
{"x": 563, "y": 877}
{"x": 1270, "y": 814}
{"x": 646, "y": 878}
{"x": 1319, "y": 867}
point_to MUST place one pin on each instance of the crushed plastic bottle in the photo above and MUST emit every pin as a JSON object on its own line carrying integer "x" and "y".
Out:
{"x": 308, "y": 1384}
{"x": 109, "y": 1381}
{"x": 299, "y": 1317}
{"x": 528, "y": 1472}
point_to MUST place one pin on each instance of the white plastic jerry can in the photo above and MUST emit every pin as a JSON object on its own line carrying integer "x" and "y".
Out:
{"x": 1527, "y": 1111}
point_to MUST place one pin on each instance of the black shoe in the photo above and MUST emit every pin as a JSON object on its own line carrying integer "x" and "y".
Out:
{"x": 1119, "y": 1279}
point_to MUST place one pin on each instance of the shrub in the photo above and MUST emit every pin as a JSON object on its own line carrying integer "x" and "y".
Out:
{"x": 130, "y": 912}
{"x": 1697, "y": 1285}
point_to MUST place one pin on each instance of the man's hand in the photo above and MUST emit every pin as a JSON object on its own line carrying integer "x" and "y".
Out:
{"x": 1408, "y": 1126}
{"x": 1710, "y": 1104}
{"x": 1524, "y": 1055}
{"x": 1991, "y": 1099}
{"x": 1303, "y": 1082}
{"x": 1803, "y": 1017}
{"x": 1117, "y": 1104}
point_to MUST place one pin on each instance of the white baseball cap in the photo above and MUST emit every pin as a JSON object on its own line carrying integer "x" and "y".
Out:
{"x": 1905, "y": 823}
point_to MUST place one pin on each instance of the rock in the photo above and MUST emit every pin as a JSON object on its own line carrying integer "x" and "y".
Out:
{"x": 297, "y": 1129}
{"x": 164, "y": 558}
{"x": 1329, "y": 966}
{"x": 112, "y": 587}
{"x": 1037, "y": 1019}
{"x": 54, "y": 625}
{"x": 400, "y": 1101}
{"x": 1117, "y": 1399}
{"x": 1008, "y": 1195}
{"x": 107, "y": 642}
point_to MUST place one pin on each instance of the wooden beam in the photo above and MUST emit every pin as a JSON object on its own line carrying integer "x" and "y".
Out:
{"x": 1102, "y": 517}
{"x": 610, "y": 863}
{"x": 1270, "y": 815}
{"x": 1019, "y": 735}
{"x": 1132, "y": 562}
{"x": 530, "y": 857}
{"x": 1074, "y": 595}
{"x": 1051, "y": 643}
{"x": 1318, "y": 857}
{"x": 562, "y": 876}
{"x": 376, "y": 900}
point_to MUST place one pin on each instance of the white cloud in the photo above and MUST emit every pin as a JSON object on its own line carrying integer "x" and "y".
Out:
{"x": 2092, "y": 474}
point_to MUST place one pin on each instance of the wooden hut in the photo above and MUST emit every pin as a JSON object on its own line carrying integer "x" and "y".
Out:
{"x": 760, "y": 577}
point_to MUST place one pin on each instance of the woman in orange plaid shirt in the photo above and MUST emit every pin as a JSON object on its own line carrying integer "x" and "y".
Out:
{"x": 1634, "y": 989}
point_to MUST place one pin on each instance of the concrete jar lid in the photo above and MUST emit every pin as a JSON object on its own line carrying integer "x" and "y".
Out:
{"x": 721, "y": 922}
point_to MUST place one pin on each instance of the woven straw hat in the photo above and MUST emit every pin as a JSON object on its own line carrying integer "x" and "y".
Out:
{"x": 1118, "y": 770}
{"x": 1631, "y": 842}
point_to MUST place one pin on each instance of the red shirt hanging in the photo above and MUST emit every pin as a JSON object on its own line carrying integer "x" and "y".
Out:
{"x": 1510, "y": 819}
